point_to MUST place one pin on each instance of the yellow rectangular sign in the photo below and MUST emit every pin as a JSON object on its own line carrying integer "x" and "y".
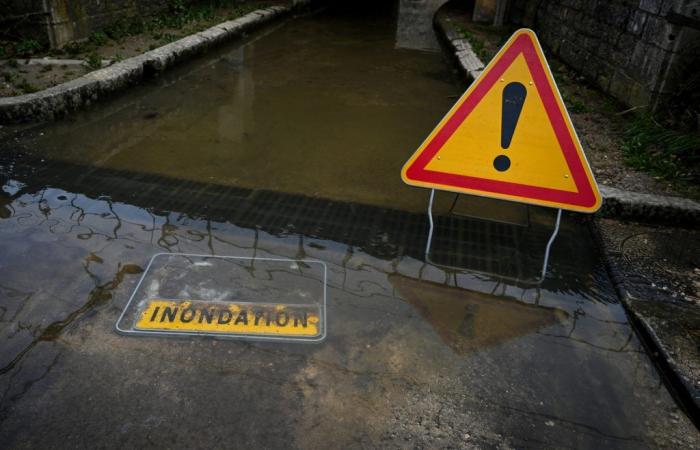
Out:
{"x": 255, "y": 319}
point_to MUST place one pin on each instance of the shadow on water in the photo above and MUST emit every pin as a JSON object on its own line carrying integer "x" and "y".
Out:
{"x": 254, "y": 151}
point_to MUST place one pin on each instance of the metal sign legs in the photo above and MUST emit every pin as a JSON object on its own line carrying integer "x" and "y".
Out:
{"x": 546, "y": 252}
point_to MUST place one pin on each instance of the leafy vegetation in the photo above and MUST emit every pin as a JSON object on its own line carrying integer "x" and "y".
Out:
{"x": 576, "y": 106}
{"x": 22, "y": 48}
{"x": 476, "y": 44}
{"x": 98, "y": 38}
{"x": 180, "y": 14}
{"x": 665, "y": 152}
{"x": 27, "y": 87}
{"x": 94, "y": 61}
{"x": 9, "y": 77}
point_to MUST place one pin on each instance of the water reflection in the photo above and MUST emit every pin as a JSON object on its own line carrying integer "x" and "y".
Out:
{"x": 96, "y": 225}
{"x": 302, "y": 108}
{"x": 415, "y": 352}
{"x": 468, "y": 320}
{"x": 89, "y": 249}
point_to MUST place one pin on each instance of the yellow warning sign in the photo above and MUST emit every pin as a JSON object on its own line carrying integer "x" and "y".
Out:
{"x": 230, "y": 318}
{"x": 509, "y": 137}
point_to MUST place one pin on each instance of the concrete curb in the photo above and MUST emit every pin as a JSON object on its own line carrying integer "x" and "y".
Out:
{"x": 67, "y": 97}
{"x": 466, "y": 60}
{"x": 620, "y": 204}
{"x": 674, "y": 377}
{"x": 617, "y": 203}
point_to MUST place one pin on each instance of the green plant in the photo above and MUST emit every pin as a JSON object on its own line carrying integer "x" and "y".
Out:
{"x": 27, "y": 47}
{"x": 177, "y": 6}
{"x": 666, "y": 153}
{"x": 577, "y": 106}
{"x": 27, "y": 87}
{"x": 98, "y": 38}
{"x": 168, "y": 37}
{"x": 74, "y": 48}
{"x": 47, "y": 68}
{"x": 476, "y": 44}
{"x": 9, "y": 77}
{"x": 94, "y": 61}
{"x": 13, "y": 63}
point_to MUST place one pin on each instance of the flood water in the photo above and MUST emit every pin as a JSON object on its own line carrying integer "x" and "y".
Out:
{"x": 289, "y": 144}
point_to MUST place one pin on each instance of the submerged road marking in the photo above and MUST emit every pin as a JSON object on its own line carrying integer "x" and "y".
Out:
{"x": 258, "y": 319}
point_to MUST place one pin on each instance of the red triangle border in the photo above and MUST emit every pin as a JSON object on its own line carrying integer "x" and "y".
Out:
{"x": 523, "y": 44}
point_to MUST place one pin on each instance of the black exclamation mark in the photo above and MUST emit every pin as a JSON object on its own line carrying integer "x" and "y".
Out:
{"x": 513, "y": 99}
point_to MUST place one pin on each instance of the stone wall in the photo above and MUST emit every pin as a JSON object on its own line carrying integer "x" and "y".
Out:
{"x": 56, "y": 22}
{"x": 639, "y": 51}
{"x": 22, "y": 19}
{"x": 76, "y": 19}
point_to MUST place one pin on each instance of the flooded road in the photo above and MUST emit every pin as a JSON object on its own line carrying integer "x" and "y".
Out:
{"x": 301, "y": 108}
{"x": 289, "y": 144}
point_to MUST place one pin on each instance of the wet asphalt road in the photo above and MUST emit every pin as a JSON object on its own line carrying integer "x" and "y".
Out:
{"x": 416, "y": 355}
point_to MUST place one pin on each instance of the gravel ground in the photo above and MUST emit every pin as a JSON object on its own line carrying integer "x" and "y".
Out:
{"x": 18, "y": 78}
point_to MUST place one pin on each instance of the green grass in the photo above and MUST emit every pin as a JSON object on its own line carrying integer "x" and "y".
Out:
{"x": 179, "y": 18}
{"x": 179, "y": 15}
{"x": 94, "y": 61}
{"x": 26, "y": 86}
{"x": 666, "y": 153}
{"x": 98, "y": 38}
{"x": 576, "y": 106}
{"x": 476, "y": 44}
{"x": 26, "y": 48}
{"x": 9, "y": 77}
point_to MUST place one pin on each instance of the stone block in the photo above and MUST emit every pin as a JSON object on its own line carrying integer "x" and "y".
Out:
{"x": 659, "y": 32}
{"x": 621, "y": 85}
{"x": 573, "y": 4}
{"x": 590, "y": 6}
{"x": 626, "y": 43}
{"x": 612, "y": 13}
{"x": 604, "y": 75}
{"x": 640, "y": 95}
{"x": 572, "y": 55}
{"x": 484, "y": 11}
{"x": 688, "y": 42}
{"x": 652, "y": 6}
{"x": 676, "y": 6}
{"x": 590, "y": 66}
{"x": 636, "y": 22}
{"x": 647, "y": 63}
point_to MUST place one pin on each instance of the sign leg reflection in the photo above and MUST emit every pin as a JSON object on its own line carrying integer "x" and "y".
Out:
{"x": 548, "y": 248}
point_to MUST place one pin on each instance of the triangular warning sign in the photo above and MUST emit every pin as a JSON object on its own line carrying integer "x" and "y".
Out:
{"x": 509, "y": 137}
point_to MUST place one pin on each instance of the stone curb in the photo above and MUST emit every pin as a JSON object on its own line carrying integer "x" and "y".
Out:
{"x": 657, "y": 351}
{"x": 621, "y": 204}
{"x": 57, "y": 101}
{"x": 467, "y": 62}
{"x": 617, "y": 203}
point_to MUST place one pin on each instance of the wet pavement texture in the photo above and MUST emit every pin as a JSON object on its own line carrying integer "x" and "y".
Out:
{"x": 659, "y": 271}
{"x": 416, "y": 354}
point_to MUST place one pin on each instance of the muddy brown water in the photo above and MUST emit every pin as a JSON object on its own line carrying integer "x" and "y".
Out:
{"x": 289, "y": 144}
